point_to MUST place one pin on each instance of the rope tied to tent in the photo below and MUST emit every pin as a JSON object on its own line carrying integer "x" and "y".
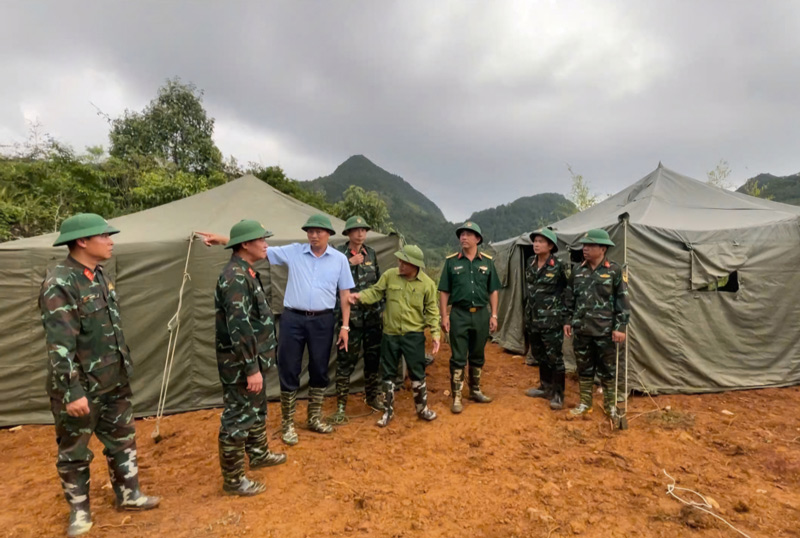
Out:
{"x": 173, "y": 327}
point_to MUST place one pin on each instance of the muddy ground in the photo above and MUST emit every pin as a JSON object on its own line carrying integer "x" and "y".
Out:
{"x": 510, "y": 468}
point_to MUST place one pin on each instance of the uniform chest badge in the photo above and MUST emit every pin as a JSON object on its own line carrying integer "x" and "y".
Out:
{"x": 458, "y": 268}
{"x": 367, "y": 263}
{"x": 483, "y": 268}
{"x": 88, "y": 298}
{"x": 604, "y": 276}
{"x": 252, "y": 273}
{"x": 549, "y": 275}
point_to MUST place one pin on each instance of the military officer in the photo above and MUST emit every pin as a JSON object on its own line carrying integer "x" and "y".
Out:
{"x": 366, "y": 324}
{"x": 469, "y": 283}
{"x": 89, "y": 370}
{"x": 245, "y": 342}
{"x": 546, "y": 280}
{"x": 410, "y": 307}
{"x": 597, "y": 314}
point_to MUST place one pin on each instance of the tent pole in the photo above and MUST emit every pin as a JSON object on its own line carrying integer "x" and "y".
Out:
{"x": 624, "y": 416}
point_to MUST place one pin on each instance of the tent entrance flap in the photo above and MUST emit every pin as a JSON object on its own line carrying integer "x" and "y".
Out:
{"x": 713, "y": 263}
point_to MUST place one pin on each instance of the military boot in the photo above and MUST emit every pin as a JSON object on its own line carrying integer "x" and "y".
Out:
{"x": 557, "y": 394}
{"x": 315, "y": 398}
{"x": 123, "y": 469}
{"x": 545, "y": 389}
{"x": 75, "y": 483}
{"x": 585, "y": 407}
{"x": 257, "y": 448}
{"x": 288, "y": 404}
{"x": 231, "y": 461}
{"x": 609, "y": 400}
{"x": 342, "y": 392}
{"x": 420, "y": 390}
{"x": 456, "y": 386}
{"x": 388, "y": 404}
{"x": 372, "y": 390}
{"x": 475, "y": 393}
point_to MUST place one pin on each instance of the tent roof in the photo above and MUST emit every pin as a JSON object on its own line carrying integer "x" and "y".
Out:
{"x": 214, "y": 210}
{"x": 666, "y": 199}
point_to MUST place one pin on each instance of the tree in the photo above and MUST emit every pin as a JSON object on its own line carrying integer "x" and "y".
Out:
{"x": 718, "y": 177}
{"x": 369, "y": 205}
{"x": 173, "y": 128}
{"x": 275, "y": 177}
{"x": 580, "y": 194}
{"x": 751, "y": 188}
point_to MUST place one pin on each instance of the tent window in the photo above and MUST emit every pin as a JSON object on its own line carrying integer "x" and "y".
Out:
{"x": 728, "y": 283}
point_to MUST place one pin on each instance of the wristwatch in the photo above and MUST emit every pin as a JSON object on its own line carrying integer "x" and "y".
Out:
{"x": 346, "y": 328}
{"x": 494, "y": 316}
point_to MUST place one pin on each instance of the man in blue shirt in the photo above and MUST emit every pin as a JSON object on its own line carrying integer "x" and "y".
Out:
{"x": 316, "y": 272}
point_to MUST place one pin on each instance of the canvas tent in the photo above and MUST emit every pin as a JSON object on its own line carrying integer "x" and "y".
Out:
{"x": 713, "y": 279}
{"x": 148, "y": 264}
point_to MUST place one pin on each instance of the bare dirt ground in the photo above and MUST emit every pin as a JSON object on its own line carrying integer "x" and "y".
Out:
{"x": 510, "y": 468}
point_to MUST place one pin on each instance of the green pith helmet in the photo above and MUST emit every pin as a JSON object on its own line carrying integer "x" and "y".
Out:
{"x": 472, "y": 227}
{"x": 355, "y": 222}
{"x": 596, "y": 237}
{"x": 412, "y": 254}
{"x": 548, "y": 234}
{"x": 83, "y": 225}
{"x": 247, "y": 230}
{"x": 319, "y": 221}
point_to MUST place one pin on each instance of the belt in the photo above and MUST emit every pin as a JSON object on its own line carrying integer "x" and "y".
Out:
{"x": 471, "y": 309}
{"x": 310, "y": 313}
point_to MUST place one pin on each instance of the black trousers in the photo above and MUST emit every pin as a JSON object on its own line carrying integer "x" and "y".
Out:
{"x": 395, "y": 347}
{"x": 296, "y": 332}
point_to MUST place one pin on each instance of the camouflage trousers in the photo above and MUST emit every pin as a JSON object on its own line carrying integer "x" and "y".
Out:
{"x": 546, "y": 347}
{"x": 243, "y": 432}
{"x": 595, "y": 355}
{"x": 111, "y": 419}
{"x": 366, "y": 339}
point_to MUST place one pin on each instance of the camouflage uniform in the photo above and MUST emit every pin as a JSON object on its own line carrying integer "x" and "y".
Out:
{"x": 88, "y": 357}
{"x": 597, "y": 304}
{"x": 366, "y": 327}
{"x": 544, "y": 321}
{"x": 245, "y": 340}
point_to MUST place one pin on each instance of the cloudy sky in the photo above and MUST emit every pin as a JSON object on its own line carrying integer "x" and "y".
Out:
{"x": 474, "y": 103}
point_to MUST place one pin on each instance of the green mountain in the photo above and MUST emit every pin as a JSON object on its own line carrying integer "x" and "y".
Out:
{"x": 415, "y": 216}
{"x": 523, "y": 214}
{"x": 784, "y": 189}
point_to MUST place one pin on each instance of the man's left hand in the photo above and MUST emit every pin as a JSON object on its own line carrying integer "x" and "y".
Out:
{"x": 617, "y": 336}
{"x": 435, "y": 349}
{"x": 492, "y": 324}
{"x": 344, "y": 337}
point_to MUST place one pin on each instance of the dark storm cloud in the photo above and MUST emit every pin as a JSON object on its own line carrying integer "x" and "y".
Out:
{"x": 475, "y": 104}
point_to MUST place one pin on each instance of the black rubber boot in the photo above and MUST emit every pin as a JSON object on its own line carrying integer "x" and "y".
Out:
{"x": 557, "y": 390}
{"x": 372, "y": 390}
{"x": 545, "y": 384}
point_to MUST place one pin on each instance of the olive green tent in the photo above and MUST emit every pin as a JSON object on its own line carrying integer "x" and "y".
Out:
{"x": 150, "y": 255}
{"x": 713, "y": 280}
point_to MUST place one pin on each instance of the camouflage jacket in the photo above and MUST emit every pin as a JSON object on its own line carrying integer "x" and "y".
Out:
{"x": 244, "y": 323}
{"x": 597, "y": 301}
{"x": 544, "y": 306}
{"x": 365, "y": 275}
{"x": 85, "y": 346}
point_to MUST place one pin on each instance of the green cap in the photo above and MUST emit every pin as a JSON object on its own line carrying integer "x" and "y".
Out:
{"x": 355, "y": 222}
{"x": 548, "y": 234}
{"x": 471, "y": 226}
{"x": 83, "y": 225}
{"x": 596, "y": 237}
{"x": 412, "y": 254}
{"x": 319, "y": 221}
{"x": 247, "y": 230}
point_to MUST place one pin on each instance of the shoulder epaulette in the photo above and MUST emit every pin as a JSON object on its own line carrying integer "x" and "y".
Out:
{"x": 452, "y": 255}
{"x": 485, "y": 255}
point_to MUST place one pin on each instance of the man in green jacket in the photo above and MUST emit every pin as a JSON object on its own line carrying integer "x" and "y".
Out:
{"x": 597, "y": 314}
{"x": 89, "y": 370}
{"x": 245, "y": 341}
{"x": 366, "y": 323}
{"x": 410, "y": 307}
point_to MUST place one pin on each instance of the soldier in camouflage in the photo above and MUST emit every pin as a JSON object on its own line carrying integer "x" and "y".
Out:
{"x": 546, "y": 280}
{"x": 598, "y": 312}
{"x": 89, "y": 371}
{"x": 245, "y": 341}
{"x": 365, "y": 322}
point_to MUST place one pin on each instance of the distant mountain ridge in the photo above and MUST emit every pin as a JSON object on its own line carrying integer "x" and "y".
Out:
{"x": 422, "y": 222}
{"x": 784, "y": 189}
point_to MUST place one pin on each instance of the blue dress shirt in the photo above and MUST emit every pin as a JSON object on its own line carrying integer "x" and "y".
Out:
{"x": 313, "y": 281}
